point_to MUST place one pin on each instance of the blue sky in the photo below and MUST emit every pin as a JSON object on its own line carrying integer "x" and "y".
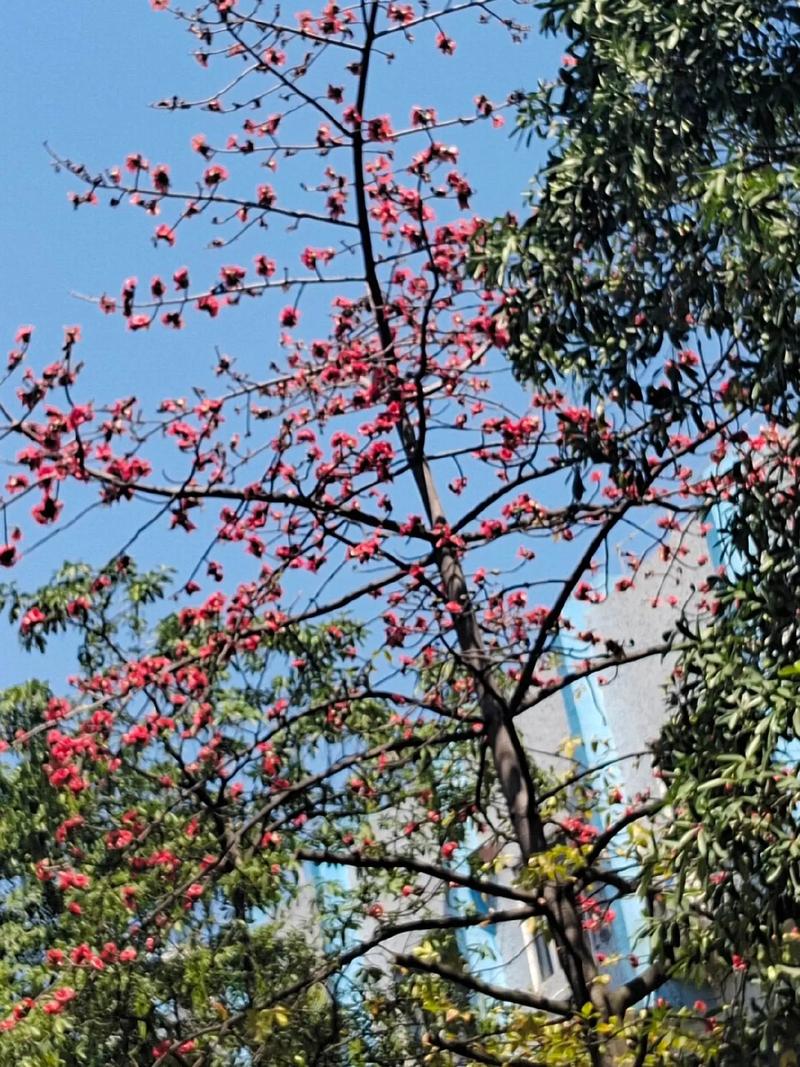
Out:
{"x": 81, "y": 76}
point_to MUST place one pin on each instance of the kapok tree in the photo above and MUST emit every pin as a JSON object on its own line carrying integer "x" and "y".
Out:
{"x": 414, "y": 529}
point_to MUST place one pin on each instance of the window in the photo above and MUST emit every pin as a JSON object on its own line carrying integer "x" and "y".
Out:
{"x": 540, "y": 958}
{"x": 544, "y": 961}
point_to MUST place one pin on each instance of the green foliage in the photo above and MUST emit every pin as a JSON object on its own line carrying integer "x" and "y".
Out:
{"x": 667, "y": 212}
{"x": 728, "y": 861}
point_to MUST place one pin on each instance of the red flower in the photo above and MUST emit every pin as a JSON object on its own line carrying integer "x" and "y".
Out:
{"x": 194, "y": 892}
{"x": 422, "y": 116}
{"x": 119, "y": 838}
{"x": 136, "y": 162}
{"x": 181, "y": 278}
{"x": 47, "y": 510}
{"x": 289, "y": 317}
{"x": 351, "y": 116}
{"x": 445, "y": 44}
{"x": 209, "y": 304}
{"x": 232, "y": 276}
{"x": 128, "y": 894}
{"x": 215, "y": 174}
{"x": 8, "y": 555}
{"x": 311, "y": 256}
{"x": 265, "y": 267}
{"x": 160, "y": 176}
{"x": 380, "y": 129}
{"x": 273, "y": 57}
{"x": 165, "y": 233}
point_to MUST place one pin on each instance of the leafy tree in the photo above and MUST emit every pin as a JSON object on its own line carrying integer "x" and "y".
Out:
{"x": 665, "y": 214}
{"x": 257, "y": 738}
{"x": 658, "y": 269}
{"x": 730, "y": 752}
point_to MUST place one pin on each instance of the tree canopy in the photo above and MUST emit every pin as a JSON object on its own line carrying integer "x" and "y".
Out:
{"x": 658, "y": 268}
{"x": 666, "y": 211}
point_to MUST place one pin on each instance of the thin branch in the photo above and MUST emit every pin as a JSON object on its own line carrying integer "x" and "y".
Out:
{"x": 477, "y": 985}
{"x": 443, "y": 874}
{"x": 464, "y": 1048}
